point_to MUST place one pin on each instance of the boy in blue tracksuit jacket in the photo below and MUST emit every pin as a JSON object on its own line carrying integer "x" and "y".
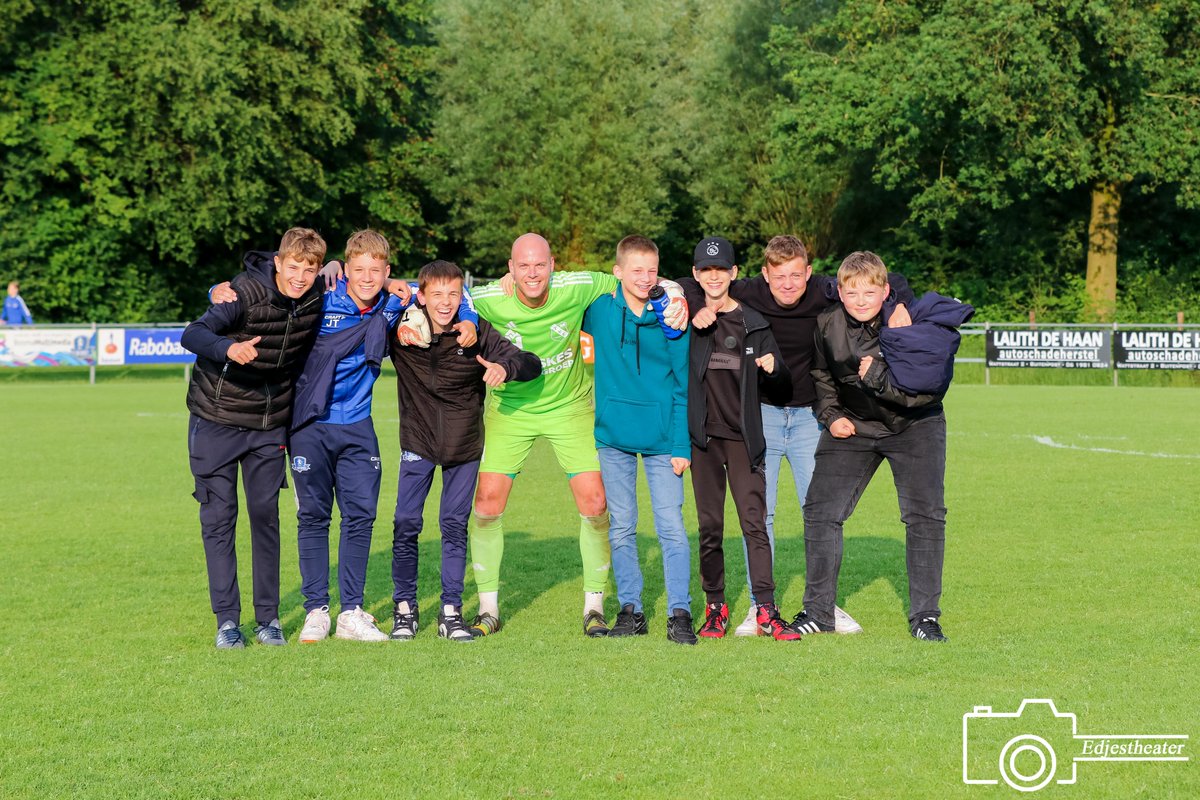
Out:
{"x": 641, "y": 407}
{"x": 333, "y": 444}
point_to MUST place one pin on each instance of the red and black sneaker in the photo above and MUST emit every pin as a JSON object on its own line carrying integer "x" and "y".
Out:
{"x": 716, "y": 620}
{"x": 770, "y": 623}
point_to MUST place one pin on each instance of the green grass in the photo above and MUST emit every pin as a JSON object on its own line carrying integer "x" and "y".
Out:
{"x": 1070, "y": 574}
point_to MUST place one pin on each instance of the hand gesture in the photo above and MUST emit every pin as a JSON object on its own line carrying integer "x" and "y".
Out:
{"x": 507, "y": 284}
{"x": 680, "y": 465}
{"x": 841, "y": 428}
{"x": 243, "y": 352}
{"x": 704, "y": 317}
{"x": 767, "y": 363}
{"x": 223, "y": 293}
{"x": 468, "y": 334}
{"x": 493, "y": 374}
{"x": 864, "y": 365}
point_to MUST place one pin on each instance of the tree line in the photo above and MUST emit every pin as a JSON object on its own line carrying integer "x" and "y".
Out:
{"x": 1025, "y": 157}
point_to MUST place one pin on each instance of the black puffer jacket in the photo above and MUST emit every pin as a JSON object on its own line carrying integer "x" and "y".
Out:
{"x": 875, "y": 406}
{"x": 759, "y": 342}
{"x": 440, "y": 392}
{"x": 257, "y": 395}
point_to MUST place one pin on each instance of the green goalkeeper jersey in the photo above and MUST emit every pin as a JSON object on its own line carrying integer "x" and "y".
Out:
{"x": 551, "y": 332}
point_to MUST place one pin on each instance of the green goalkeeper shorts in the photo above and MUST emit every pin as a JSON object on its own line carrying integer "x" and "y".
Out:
{"x": 509, "y": 436}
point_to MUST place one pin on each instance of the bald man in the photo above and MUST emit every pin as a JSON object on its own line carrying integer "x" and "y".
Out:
{"x": 543, "y": 315}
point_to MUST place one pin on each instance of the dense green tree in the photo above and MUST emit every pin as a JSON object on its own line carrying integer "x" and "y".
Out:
{"x": 143, "y": 145}
{"x": 551, "y": 118}
{"x": 965, "y": 108}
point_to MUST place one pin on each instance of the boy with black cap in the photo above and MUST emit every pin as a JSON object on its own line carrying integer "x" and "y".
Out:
{"x": 728, "y": 357}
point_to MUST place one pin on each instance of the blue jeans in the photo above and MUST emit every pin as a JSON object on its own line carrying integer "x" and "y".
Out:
{"x": 791, "y": 433}
{"x": 618, "y": 470}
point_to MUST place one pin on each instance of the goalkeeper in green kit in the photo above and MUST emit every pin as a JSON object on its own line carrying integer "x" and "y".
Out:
{"x": 543, "y": 316}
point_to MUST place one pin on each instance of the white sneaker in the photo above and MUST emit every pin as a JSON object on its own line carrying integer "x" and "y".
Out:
{"x": 844, "y": 623}
{"x": 359, "y": 626}
{"x": 316, "y": 626}
{"x": 749, "y": 626}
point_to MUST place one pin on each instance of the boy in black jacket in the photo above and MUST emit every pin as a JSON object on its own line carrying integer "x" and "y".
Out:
{"x": 440, "y": 390}
{"x": 866, "y": 420}
{"x": 248, "y": 355}
{"x": 731, "y": 347}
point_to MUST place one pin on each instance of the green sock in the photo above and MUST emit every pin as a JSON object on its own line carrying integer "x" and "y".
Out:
{"x": 487, "y": 549}
{"x": 595, "y": 552}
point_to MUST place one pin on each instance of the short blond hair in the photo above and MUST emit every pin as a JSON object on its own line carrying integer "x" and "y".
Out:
{"x": 302, "y": 244}
{"x": 368, "y": 242}
{"x": 862, "y": 265}
{"x": 782, "y": 249}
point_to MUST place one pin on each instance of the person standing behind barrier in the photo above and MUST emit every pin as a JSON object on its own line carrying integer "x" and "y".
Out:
{"x": 790, "y": 296}
{"x": 248, "y": 355}
{"x": 867, "y": 420}
{"x": 641, "y": 407}
{"x": 15, "y": 310}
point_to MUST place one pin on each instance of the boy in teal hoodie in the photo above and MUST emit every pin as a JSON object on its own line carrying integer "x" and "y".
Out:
{"x": 641, "y": 408}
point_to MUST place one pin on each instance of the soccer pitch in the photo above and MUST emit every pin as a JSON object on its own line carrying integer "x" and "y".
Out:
{"x": 1071, "y": 562}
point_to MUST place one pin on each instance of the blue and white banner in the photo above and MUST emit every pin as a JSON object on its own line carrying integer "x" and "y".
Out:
{"x": 29, "y": 346}
{"x": 141, "y": 346}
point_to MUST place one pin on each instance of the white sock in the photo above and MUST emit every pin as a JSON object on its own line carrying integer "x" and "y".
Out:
{"x": 593, "y": 601}
{"x": 403, "y": 607}
{"x": 449, "y": 611}
{"x": 489, "y": 603}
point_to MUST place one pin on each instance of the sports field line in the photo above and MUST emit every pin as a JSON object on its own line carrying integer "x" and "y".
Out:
{"x": 1048, "y": 442}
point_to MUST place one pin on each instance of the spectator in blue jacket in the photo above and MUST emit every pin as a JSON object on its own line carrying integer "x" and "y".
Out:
{"x": 15, "y": 310}
{"x": 641, "y": 408}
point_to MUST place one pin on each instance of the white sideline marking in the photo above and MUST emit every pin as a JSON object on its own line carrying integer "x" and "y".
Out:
{"x": 1046, "y": 440}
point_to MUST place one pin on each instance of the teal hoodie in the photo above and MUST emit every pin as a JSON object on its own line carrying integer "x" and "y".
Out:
{"x": 641, "y": 380}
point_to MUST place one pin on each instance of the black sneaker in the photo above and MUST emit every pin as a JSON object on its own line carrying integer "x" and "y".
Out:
{"x": 802, "y": 623}
{"x": 270, "y": 634}
{"x": 629, "y": 623}
{"x": 929, "y": 630}
{"x": 229, "y": 637}
{"x": 404, "y": 626}
{"x": 452, "y": 627}
{"x": 594, "y": 625}
{"x": 679, "y": 627}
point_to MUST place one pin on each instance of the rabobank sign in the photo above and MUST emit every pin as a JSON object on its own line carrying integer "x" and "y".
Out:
{"x": 155, "y": 346}
{"x": 141, "y": 346}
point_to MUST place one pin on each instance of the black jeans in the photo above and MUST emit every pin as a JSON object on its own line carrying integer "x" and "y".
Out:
{"x": 844, "y": 467}
{"x": 726, "y": 460}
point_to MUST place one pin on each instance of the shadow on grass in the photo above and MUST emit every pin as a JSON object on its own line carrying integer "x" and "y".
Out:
{"x": 530, "y": 568}
{"x": 865, "y": 559}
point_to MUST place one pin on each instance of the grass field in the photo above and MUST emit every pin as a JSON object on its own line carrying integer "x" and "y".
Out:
{"x": 1070, "y": 574}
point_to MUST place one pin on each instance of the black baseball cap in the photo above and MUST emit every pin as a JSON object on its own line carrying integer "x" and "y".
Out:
{"x": 713, "y": 251}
